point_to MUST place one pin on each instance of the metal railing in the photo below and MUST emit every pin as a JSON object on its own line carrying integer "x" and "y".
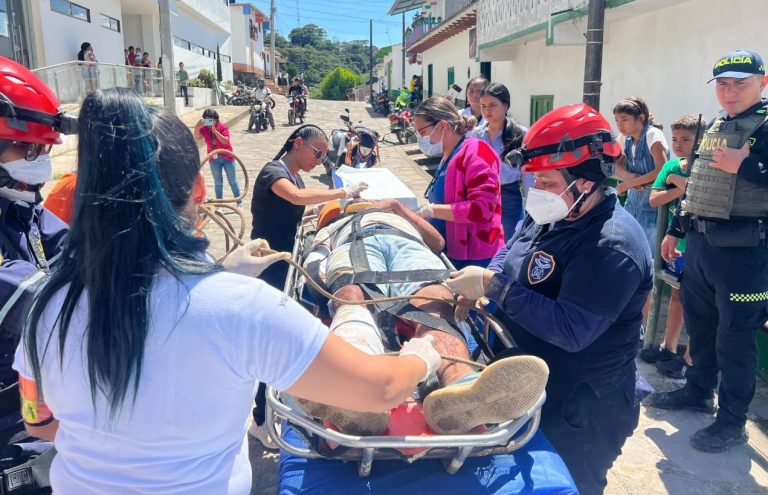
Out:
{"x": 72, "y": 81}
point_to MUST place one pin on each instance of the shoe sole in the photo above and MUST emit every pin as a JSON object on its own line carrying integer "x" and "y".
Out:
{"x": 351, "y": 422}
{"x": 505, "y": 390}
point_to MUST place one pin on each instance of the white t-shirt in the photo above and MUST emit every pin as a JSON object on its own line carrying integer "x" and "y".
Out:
{"x": 211, "y": 339}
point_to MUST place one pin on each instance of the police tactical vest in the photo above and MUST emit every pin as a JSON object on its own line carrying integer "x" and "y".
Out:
{"x": 713, "y": 193}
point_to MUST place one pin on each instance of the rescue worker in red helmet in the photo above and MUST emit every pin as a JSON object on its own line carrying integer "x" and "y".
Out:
{"x": 570, "y": 287}
{"x": 30, "y": 236}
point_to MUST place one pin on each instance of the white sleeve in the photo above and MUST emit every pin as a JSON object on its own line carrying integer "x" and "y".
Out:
{"x": 655, "y": 135}
{"x": 620, "y": 138}
{"x": 277, "y": 338}
{"x": 20, "y": 361}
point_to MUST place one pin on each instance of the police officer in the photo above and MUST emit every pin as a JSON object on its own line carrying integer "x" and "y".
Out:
{"x": 723, "y": 217}
{"x": 30, "y": 124}
{"x": 570, "y": 287}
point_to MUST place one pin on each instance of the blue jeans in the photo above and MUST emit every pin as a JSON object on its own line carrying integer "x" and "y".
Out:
{"x": 511, "y": 208}
{"x": 217, "y": 164}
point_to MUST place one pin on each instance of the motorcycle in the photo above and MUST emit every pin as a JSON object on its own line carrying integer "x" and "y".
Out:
{"x": 356, "y": 146}
{"x": 295, "y": 109}
{"x": 259, "y": 117}
{"x": 381, "y": 103}
{"x": 401, "y": 125}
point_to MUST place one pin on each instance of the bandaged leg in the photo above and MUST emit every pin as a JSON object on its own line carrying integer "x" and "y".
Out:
{"x": 355, "y": 325}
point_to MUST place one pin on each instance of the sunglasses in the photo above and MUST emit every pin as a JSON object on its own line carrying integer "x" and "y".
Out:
{"x": 319, "y": 155}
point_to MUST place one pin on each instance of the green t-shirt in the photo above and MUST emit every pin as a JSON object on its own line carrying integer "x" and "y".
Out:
{"x": 669, "y": 168}
{"x": 183, "y": 77}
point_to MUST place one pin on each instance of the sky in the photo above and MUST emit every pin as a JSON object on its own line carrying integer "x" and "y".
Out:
{"x": 344, "y": 20}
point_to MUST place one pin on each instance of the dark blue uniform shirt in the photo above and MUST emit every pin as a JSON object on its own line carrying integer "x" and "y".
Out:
{"x": 574, "y": 293}
{"x": 19, "y": 223}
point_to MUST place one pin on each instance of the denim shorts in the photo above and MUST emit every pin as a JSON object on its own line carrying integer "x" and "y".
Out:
{"x": 638, "y": 206}
{"x": 386, "y": 253}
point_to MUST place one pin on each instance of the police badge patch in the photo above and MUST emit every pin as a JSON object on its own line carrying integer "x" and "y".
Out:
{"x": 540, "y": 267}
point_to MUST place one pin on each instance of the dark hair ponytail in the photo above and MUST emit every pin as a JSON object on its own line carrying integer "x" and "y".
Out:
{"x": 636, "y": 107}
{"x": 136, "y": 173}
{"x": 306, "y": 131}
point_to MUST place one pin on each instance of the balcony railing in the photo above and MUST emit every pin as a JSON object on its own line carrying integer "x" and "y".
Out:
{"x": 72, "y": 81}
{"x": 419, "y": 28}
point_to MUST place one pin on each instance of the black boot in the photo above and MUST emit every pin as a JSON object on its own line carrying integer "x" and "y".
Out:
{"x": 719, "y": 436}
{"x": 683, "y": 398}
{"x": 653, "y": 355}
{"x": 673, "y": 368}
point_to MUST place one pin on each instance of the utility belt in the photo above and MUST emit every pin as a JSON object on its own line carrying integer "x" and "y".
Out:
{"x": 736, "y": 232}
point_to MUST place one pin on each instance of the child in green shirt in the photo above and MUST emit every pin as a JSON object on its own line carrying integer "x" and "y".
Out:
{"x": 668, "y": 187}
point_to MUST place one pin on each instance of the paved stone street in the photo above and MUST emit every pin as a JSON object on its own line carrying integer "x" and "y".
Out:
{"x": 657, "y": 459}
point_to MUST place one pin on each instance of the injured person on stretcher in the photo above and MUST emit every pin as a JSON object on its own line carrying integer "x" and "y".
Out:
{"x": 383, "y": 249}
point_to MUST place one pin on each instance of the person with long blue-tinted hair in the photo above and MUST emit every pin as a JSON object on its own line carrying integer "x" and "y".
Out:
{"x": 140, "y": 356}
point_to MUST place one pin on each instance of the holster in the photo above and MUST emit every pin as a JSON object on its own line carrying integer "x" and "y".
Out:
{"x": 746, "y": 233}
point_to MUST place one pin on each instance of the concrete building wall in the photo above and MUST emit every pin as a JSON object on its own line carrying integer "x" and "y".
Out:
{"x": 663, "y": 55}
{"x": 62, "y": 35}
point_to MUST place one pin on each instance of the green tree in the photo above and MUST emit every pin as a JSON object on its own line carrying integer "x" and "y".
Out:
{"x": 309, "y": 35}
{"x": 334, "y": 86}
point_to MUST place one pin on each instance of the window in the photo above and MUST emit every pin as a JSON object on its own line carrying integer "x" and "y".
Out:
{"x": 226, "y": 58}
{"x": 71, "y": 9}
{"x": 181, "y": 43}
{"x": 540, "y": 104}
{"x": 197, "y": 49}
{"x": 451, "y": 77}
{"x": 485, "y": 70}
{"x": 110, "y": 23}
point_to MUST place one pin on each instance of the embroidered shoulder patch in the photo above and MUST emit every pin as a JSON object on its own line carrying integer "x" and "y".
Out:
{"x": 540, "y": 267}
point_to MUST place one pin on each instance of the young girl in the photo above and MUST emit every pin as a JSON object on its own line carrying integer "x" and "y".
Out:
{"x": 645, "y": 152}
{"x": 216, "y": 136}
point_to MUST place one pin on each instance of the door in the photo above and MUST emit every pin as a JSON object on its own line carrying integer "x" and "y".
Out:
{"x": 13, "y": 31}
{"x": 485, "y": 70}
{"x": 429, "y": 81}
{"x": 540, "y": 104}
{"x": 451, "y": 76}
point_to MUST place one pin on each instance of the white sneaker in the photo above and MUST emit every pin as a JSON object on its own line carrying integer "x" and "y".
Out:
{"x": 261, "y": 434}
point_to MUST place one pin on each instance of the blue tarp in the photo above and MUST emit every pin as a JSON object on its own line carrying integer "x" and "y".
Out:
{"x": 534, "y": 469}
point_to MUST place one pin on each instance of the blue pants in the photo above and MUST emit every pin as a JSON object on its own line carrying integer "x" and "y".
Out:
{"x": 725, "y": 302}
{"x": 217, "y": 164}
{"x": 511, "y": 208}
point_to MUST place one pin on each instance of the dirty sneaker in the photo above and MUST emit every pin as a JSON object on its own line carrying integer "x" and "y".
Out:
{"x": 673, "y": 368}
{"x": 503, "y": 391}
{"x": 682, "y": 398}
{"x": 350, "y": 422}
{"x": 653, "y": 355}
{"x": 719, "y": 436}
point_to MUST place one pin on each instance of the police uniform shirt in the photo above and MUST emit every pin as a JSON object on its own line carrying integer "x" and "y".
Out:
{"x": 754, "y": 168}
{"x": 574, "y": 291}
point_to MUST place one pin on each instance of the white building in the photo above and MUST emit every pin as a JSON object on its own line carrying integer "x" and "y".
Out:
{"x": 41, "y": 33}
{"x": 248, "y": 28}
{"x": 660, "y": 50}
{"x": 393, "y": 68}
{"x": 442, "y": 39}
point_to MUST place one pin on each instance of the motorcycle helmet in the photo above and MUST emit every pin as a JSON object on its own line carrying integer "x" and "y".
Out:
{"x": 367, "y": 141}
{"x": 260, "y": 83}
{"x": 29, "y": 110}
{"x": 574, "y": 139}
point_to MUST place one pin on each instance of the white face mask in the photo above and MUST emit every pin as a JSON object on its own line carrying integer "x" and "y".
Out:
{"x": 429, "y": 148}
{"x": 546, "y": 207}
{"x": 32, "y": 173}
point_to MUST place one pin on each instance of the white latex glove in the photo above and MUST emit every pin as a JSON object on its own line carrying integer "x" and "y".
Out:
{"x": 354, "y": 190}
{"x": 316, "y": 209}
{"x": 248, "y": 260}
{"x": 468, "y": 282}
{"x": 426, "y": 211}
{"x": 422, "y": 348}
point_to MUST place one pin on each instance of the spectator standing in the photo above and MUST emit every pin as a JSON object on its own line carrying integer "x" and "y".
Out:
{"x": 138, "y": 73}
{"x": 464, "y": 195}
{"x": 475, "y": 88}
{"x": 88, "y": 69}
{"x": 722, "y": 217}
{"x": 183, "y": 78}
{"x": 503, "y": 134}
{"x": 146, "y": 63}
{"x": 669, "y": 186}
{"x": 644, "y": 151}
{"x": 216, "y": 136}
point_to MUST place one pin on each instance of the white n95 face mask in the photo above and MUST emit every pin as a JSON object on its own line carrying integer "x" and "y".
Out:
{"x": 546, "y": 207}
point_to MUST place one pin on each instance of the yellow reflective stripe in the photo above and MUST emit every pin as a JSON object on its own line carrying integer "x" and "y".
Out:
{"x": 755, "y": 297}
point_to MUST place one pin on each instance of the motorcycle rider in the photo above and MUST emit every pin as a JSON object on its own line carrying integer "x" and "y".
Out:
{"x": 264, "y": 95}
{"x": 298, "y": 88}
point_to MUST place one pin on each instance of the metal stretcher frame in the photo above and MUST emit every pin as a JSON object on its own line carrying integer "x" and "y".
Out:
{"x": 452, "y": 449}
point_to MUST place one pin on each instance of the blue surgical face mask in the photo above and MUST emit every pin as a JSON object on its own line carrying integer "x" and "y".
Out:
{"x": 429, "y": 148}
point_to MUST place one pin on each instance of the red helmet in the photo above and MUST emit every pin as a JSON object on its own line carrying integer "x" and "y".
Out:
{"x": 29, "y": 111}
{"x": 563, "y": 138}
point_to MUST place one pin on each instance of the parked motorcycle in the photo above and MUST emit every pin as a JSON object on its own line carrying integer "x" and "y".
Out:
{"x": 401, "y": 125}
{"x": 381, "y": 103}
{"x": 295, "y": 109}
{"x": 259, "y": 117}
{"x": 356, "y": 146}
